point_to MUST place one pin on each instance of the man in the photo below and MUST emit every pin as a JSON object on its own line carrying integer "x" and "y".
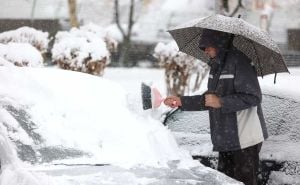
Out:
{"x": 234, "y": 101}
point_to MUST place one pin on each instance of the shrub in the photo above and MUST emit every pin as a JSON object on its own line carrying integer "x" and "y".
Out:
{"x": 80, "y": 50}
{"x": 34, "y": 37}
{"x": 180, "y": 69}
{"x": 21, "y": 54}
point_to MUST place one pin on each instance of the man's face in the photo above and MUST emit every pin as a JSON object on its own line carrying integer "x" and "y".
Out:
{"x": 211, "y": 52}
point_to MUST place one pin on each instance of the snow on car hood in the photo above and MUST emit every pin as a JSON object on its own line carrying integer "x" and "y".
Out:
{"x": 51, "y": 116}
{"x": 50, "y": 112}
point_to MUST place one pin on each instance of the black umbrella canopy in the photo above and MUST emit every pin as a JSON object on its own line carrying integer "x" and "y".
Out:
{"x": 252, "y": 41}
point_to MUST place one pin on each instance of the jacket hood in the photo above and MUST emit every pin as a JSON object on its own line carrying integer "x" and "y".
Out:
{"x": 212, "y": 38}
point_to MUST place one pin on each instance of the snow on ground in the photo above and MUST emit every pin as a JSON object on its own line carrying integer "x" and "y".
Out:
{"x": 286, "y": 84}
{"x": 278, "y": 178}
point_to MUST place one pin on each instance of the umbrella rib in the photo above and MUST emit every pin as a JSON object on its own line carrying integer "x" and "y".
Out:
{"x": 259, "y": 64}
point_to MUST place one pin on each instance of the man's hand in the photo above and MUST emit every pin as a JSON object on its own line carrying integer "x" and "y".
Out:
{"x": 172, "y": 101}
{"x": 212, "y": 100}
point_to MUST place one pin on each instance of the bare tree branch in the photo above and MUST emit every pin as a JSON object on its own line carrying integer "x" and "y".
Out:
{"x": 239, "y": 5}
{"x": 126, "y": 33}
{"x": 131, "y": 21}
{"x": 117, "y": 18}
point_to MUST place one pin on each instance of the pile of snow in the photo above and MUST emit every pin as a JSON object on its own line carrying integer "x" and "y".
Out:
{"x": 36, "y": 38}
{"x": 41, "y": 115}
{"x": 80, "y": 50}
{"x": 91, "y": 115}
{"x": 20, "y": 54}
{"x": 180, "y": 68}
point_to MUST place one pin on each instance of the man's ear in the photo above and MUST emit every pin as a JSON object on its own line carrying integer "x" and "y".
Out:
{"x": 216, "y": 51}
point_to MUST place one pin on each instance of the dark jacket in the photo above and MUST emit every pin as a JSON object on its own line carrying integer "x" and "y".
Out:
{"x": 239, "y": 123}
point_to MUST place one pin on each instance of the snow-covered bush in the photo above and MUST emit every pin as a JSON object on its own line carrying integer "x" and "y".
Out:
{"x": 20, "y": 54}
{"x": 111, "y": 42}
{"x": 81, "y": 50}
{"x": 180, "y": 69}
{"x": 34, "y": 37}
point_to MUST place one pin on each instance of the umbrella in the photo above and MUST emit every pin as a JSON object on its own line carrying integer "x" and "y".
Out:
{"x": 252, "y": 41}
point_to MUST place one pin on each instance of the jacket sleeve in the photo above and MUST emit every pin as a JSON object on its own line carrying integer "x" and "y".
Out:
{"x": 193, "y": 103}
{"x": 247, "y": 90}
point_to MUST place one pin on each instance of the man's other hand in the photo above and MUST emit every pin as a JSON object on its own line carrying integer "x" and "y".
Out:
{"x": 212, "y": 100}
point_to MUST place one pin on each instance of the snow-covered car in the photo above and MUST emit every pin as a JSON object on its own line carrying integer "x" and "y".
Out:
{"x": 63, "y": 127}
{"x": 280, "y": 154}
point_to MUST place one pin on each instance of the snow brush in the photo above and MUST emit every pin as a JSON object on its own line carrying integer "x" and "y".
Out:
{"x": 151, "y": 97}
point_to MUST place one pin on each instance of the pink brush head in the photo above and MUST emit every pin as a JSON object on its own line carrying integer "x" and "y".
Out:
{"x": 156, "y": 98}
